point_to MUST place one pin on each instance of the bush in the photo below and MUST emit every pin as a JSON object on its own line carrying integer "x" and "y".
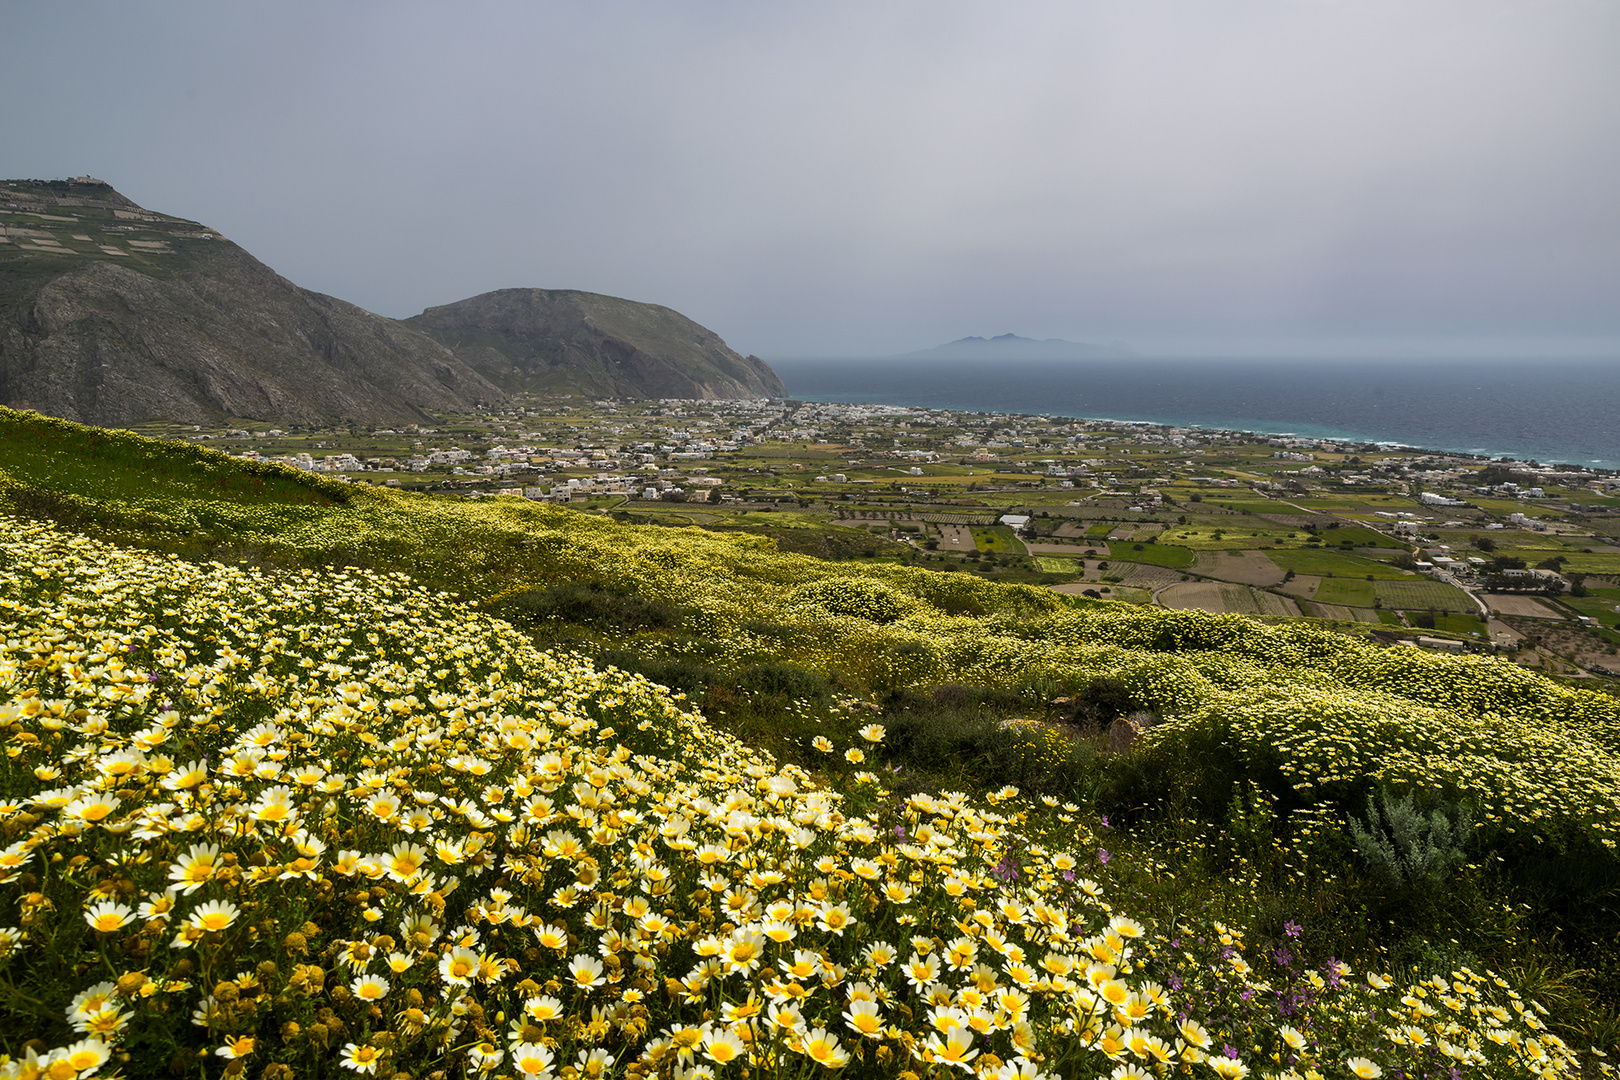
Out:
{"x": 1100, "y": 703}
{"x": 593, "y": 604}
{"x": 1408, "y": 850}
{"x": 687, "y": 676}
{"x": 860, "y": 598}
{"x": 784, "y": 680}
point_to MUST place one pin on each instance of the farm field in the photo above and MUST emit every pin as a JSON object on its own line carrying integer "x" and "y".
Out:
{"x": 999, "y": 539}
{"x": 1075, "y": 550}
{"x": 1341, "y": 613}
{"x": 1153, "y": 554}
{"x": 1242, "y": 567}
{"x": 1325, "y": 561}
{"x": 1224, "y": 597}
{"x": 1350, "y": 592}
{"x": 1459, "y": 624}
{"x": 1410, "y": 595}
{"x": 1528, "y": 607}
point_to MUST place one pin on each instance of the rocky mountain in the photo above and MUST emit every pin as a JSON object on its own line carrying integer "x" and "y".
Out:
{"x": 560, "y": 340}
{"x": 1013, "y": 347}
{"x": 111, "y": 314}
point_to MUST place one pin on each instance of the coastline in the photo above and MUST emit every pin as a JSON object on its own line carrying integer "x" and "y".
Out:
{"x": 1488, "y": 410}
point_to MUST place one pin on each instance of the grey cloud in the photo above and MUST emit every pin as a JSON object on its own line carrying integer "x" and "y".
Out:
{"x": 857, "y": 178}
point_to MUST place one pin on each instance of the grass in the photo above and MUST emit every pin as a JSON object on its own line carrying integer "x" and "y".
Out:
{"x": 998, "y": 539}
{"x": 1231, "y": 810}
{"x": 43, "y": 453}
{"x": 1350, "y": 592}
{"x": 1424, "y": 595}
{"x": 1459, "y": 624}
{"x": 1167, "y": 555}
{"x": 1328, "y": 561}
{"x": 1051, "y": 564}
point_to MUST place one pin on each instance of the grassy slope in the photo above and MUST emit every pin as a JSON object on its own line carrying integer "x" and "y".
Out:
{"x": 1251, "y": 705}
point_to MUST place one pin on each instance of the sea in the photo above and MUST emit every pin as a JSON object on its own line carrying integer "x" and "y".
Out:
{"x": 1547, "y": 411}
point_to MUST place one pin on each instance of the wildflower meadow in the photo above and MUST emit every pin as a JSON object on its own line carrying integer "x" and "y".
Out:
{"x": 312, "y": 820}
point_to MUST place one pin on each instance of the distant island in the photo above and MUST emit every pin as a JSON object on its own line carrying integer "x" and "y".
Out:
{"x": 1013, "y": 347}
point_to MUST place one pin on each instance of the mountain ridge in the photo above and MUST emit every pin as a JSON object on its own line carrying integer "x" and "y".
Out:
{"x": 112, "y": 314}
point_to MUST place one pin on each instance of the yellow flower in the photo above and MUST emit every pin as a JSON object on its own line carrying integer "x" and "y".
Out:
{"x": 823, "y": 1049}
{"x": 108, "y": 916}
{"x": 213, "y": 916}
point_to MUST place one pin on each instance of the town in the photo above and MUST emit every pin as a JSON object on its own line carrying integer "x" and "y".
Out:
{"x": 1431, "y": 550}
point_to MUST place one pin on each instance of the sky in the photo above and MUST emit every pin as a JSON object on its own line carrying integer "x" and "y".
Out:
{"x": 1196, "y": 177}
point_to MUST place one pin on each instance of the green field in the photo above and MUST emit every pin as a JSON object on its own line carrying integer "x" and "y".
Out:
{"x": 1100, "y": 529}
{"x": 1167, "y": 555}
{"x": 1358, "y": 537}
{"x": 1581, "y": 562}
{"x": 1328, "y": 561}
{"x": 1459, "y": 624}
{"x": 1600, "y": 607}
{"x": 1351, "y": 592}
{"x": 998, "y": 539}
{"x": 1423, "y": 595}
{"x": 1051, "y": 564}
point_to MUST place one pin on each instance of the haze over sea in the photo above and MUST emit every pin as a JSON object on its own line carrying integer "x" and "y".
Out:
{"x": 1565, "y": 411}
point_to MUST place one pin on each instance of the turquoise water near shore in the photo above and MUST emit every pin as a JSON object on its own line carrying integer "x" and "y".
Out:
{"x": 1564, "y": 411}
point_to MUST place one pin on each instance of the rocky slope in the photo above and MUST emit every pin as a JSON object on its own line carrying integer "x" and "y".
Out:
{"x": 560, "y": 340}
{"x": 112, "y": 315}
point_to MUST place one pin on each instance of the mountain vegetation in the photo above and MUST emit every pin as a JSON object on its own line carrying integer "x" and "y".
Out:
{"x": 313, "y": 778}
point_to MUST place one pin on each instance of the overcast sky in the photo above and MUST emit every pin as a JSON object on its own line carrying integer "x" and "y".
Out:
{"x": 1205, "y": 176}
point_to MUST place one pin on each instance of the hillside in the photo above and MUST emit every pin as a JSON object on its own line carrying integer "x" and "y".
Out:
{"x": 328, "y": 778}
{"x": 111, "y": 314}
{"x": 558, "y": 340}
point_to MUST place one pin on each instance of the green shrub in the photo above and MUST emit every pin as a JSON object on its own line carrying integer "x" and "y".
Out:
{"x": 784, "y": 680}
{"x": 591, "y": 603}
{"x": 1408, "y": 850}
{"x": 687, "y": 676}
{"x": 858, "y": 598}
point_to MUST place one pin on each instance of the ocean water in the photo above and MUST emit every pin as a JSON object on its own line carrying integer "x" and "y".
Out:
{"x": 1563, "y": 411}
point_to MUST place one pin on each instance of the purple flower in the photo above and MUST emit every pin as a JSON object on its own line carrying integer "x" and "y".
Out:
{"x": 1102, "y": 855}
{"x": 1105, "y": 821}
{"x": 1291, "y": 928}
